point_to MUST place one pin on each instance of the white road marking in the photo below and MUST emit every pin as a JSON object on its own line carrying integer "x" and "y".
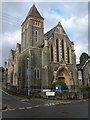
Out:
{"x": 48, "y": 104}
{"x": 4, "y": 110}
{"x": 21, "y": 108}
{"x": 37, "y": 106}
{"x": 51, "y": 104}
{"x": 28, "y": 107}
{"x": 24, "y": 100}
{"x": 11, "y": 109}
{"x": 57, "y": 103}
{"x": 5, "y": 92}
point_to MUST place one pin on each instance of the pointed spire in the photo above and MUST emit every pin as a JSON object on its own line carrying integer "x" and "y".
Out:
{"x": 34, "y": 12}
{"x": 59, "y": 23}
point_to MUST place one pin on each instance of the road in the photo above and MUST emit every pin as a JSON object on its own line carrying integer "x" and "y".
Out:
{"x": 20, "y": 107}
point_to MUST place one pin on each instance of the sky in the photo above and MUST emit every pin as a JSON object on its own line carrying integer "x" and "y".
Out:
{"x": 72, "y": 15}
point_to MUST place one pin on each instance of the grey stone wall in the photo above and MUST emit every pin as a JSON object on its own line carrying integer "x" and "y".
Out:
{"x": 36, "y": 65}
{"x": 86, "y": 73}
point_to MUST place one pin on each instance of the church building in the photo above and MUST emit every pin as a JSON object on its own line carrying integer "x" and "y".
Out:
{"x": 41, "y": 59}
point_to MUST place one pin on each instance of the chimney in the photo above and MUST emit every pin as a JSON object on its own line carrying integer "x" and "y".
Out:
{"x": 5, "y": 65}
{"x": 46, "y": 41}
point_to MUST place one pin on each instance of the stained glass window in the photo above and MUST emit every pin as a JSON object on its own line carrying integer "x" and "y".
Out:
{"x": 36, "y": 35}
{"x": 68, "y": 55}
{"x": 57, "y": 50}
{"x": 38, "y": 73}
{"x": 63, "y": 49}
{"x": 51, "y": 53}
{"x": 35, "y": 73}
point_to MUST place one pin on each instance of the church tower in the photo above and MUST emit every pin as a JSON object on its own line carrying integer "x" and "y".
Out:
{"x": 32, "y": 29}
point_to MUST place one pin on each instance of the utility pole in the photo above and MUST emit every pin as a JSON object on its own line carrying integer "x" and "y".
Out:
{"x": 5, "y": 74}
{"x": 28, "y": 74}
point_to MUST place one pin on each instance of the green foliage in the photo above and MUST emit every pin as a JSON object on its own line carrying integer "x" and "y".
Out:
{"x": 64, "y": 86}
{"x": 83, "y": 57}
{"x": 83, "y": 87}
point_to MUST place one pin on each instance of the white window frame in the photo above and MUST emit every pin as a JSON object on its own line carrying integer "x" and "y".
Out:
{"x": 37, "y": 69}
{"x": 89, "y": 70}
{"x": 80, "y": 77}
{"x": 79, "y": 74}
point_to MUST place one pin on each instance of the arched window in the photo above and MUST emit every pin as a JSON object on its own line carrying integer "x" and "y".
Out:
{"x": 36, "y": 36}
{"x": 68, "y": 57}
{"x": 35, "y": 73}
{"x": 51, "y": 53}
{"x": 63, "y": 49}
{"x": 57, "y": 50}
{"x": 38, "y": 73}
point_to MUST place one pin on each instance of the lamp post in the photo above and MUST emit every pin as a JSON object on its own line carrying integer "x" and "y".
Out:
{"x": 28, "y": 75}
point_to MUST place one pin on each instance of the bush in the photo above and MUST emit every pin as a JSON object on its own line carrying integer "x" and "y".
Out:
{"x": 64, "y": 86}
{"x": 83, "y": 87}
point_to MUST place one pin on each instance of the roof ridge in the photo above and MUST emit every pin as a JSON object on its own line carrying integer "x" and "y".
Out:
{"x": 34, "y": 12}
{"x": 52, "y": 29}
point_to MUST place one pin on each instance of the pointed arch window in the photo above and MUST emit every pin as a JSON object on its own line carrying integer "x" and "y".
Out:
{"x": 38, "y": 73}
{"x": 57, "y": 50}
{"x": 63, "y": 49}
{"x": 68, "y": 57}
{"x": 36, "y": 36}
{"x": 51, "y": 53}
{"x": 35, "y": 73}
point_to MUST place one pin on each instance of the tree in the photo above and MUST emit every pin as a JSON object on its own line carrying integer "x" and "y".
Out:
{"x": 83, "y": 57}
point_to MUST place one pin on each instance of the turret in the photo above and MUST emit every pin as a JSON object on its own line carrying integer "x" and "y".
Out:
{"x": 5, "y": 66}
{"x": 32, "y": 29}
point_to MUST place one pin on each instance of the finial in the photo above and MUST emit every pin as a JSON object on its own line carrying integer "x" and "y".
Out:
{"x": 46, "y": 38}
{"x": 59, "y": 23}
{"x": 33, "y": 4}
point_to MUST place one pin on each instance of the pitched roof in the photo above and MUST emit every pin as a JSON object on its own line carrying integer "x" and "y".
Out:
{"x": 19, "y": 45}
{"x": 13, "y": 52}
{"x": 83, "y": 64}
{"x": 50, "y": 32}
{"x": 1, "y": 69}
{"x": 34, "y": 12}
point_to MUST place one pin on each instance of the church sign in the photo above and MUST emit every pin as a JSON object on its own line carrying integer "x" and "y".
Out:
{"x": 58, "y": 88}
{"x": 50, "y": 93}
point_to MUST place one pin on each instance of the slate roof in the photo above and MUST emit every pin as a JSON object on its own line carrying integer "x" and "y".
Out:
{"x": 34, "y": 12}
{"x": 13, "y": 52}
{"x": 19, "y": 46}
{"x": 50, "y": 32}
{"x": 80, "y": 66}
{"x": 1, "y": 69}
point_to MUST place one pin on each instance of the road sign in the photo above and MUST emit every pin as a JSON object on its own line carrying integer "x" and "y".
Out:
{"x": 46, "y": 90}
{"x": 58, "y": 88}
{"x": 50, "y": 93}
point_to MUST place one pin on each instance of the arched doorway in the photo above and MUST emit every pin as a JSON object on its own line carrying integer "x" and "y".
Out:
{"x": 63, "y": 75}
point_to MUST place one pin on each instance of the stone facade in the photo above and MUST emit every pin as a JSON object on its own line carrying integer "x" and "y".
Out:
{"x": 42, "y": 58}
{"x": 84, "y": 73}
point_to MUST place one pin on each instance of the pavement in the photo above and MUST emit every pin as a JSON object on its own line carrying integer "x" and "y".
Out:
{"x": 10, "y": 101}
{"x": 78, "y": 110}
{"x": 22, "y": 107}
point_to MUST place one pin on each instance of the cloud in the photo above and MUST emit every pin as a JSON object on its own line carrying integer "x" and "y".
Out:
{"x": 73, "y": 17}
{"x": 79, "y": 28}
{"x": 75, "y": 27}
{"x": 9, "y": 41}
